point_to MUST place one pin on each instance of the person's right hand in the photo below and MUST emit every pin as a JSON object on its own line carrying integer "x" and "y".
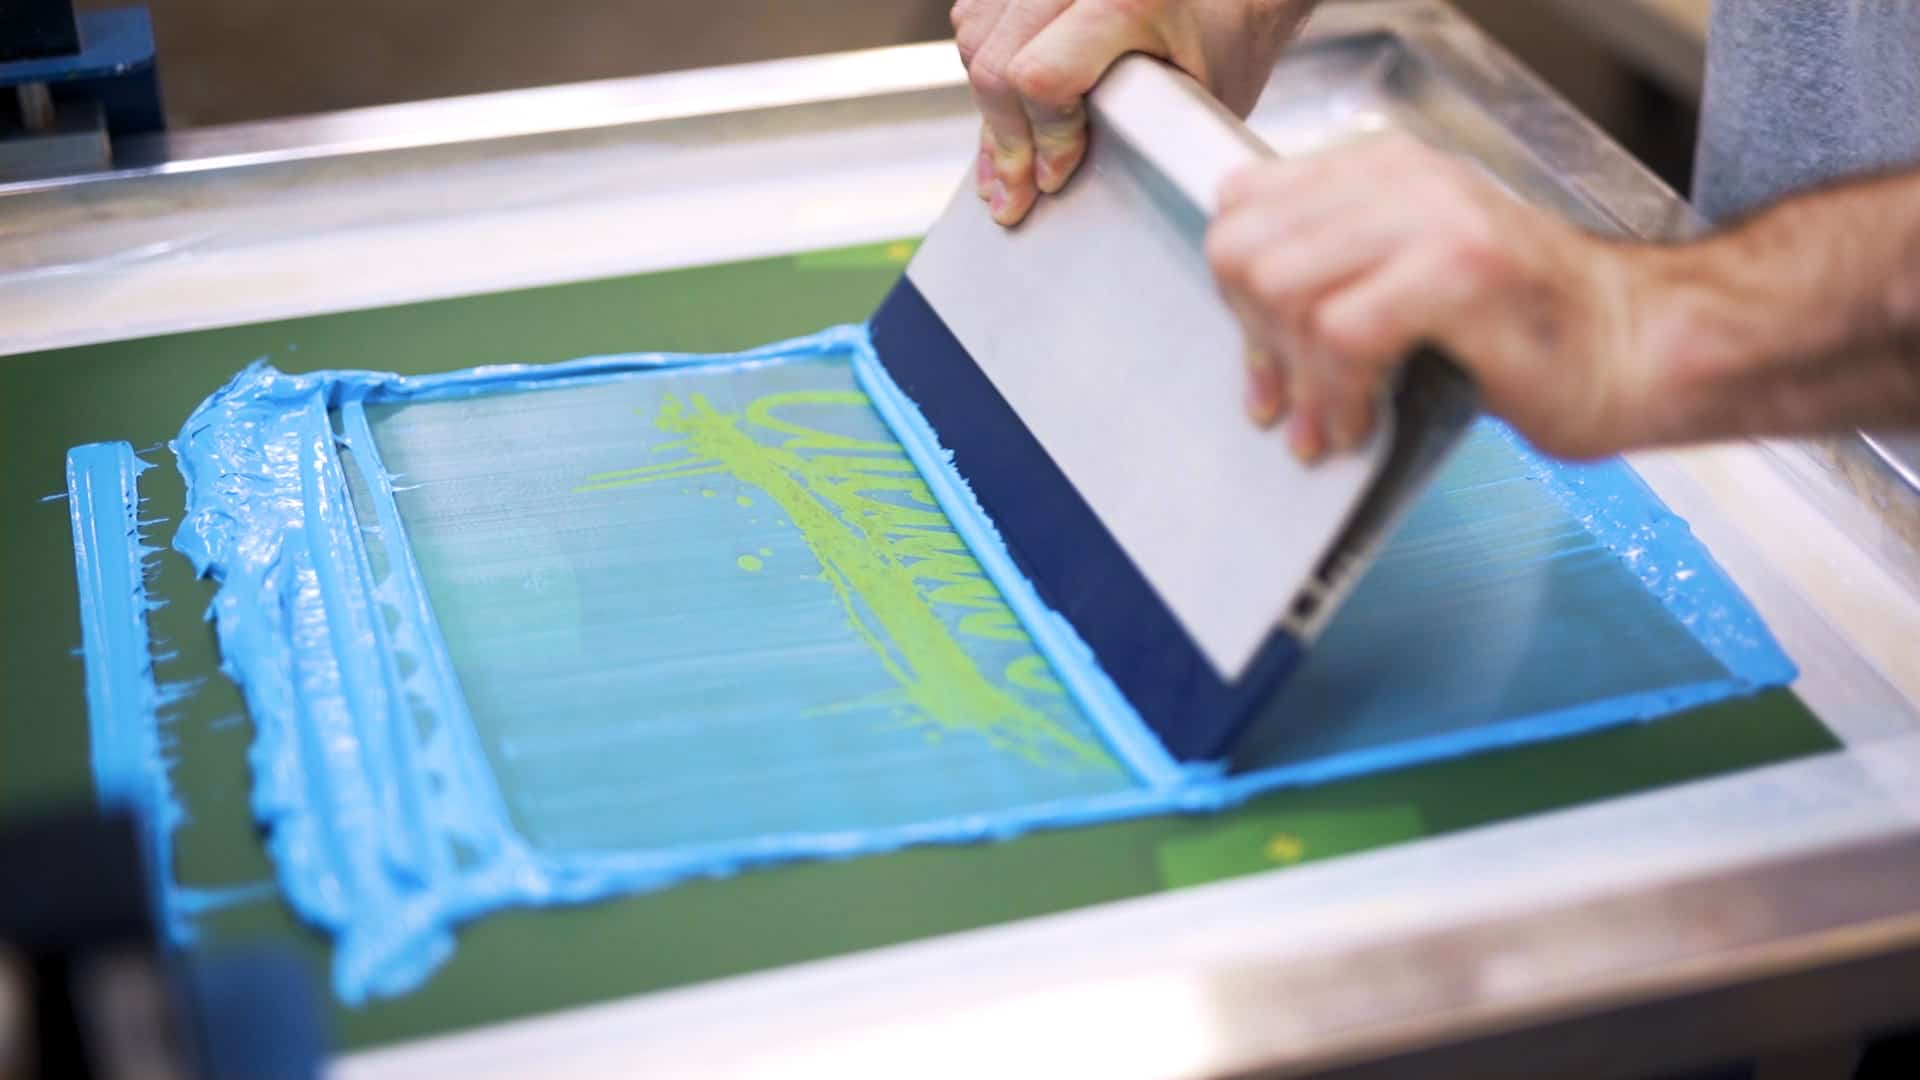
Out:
{"x": 1031, "y": 63}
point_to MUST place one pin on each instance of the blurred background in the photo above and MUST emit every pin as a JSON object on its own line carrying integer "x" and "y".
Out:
{"x": 1631, "y": 64}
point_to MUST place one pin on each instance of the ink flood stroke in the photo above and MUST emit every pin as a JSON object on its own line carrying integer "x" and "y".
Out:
{"x": 530, "y": 635}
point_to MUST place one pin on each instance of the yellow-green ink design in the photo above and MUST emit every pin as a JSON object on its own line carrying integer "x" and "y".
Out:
{"x": 887, "y": 551}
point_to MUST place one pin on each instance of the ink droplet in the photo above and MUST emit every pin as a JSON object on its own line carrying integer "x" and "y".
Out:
{"x": 764, "y": 552}
{"x": 749, "y": 563}
{"x": 1286, "y": 848}
{"x": 706, "y": 493}
{"x": 743, "y": 500}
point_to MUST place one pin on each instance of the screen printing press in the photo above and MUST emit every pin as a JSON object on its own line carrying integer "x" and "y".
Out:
{"x": 1732, "y": 880}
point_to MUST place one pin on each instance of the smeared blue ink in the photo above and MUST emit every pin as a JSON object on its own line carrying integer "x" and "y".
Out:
{"x": 1611, "y": 501}
{"x": 386, "y": 821}
{"x": 198, "y": 901}
{"x": 109, "y": 564}
{"x": 124, "y": 702}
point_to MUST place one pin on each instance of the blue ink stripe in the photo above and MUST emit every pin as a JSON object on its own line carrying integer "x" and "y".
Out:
{"x": 130, "y": 766}
{"x": 445, "y": 699}
{"x": 103, "y": 503}
{"x": 403, "y": 789}
{"x": 1521, "y": 731}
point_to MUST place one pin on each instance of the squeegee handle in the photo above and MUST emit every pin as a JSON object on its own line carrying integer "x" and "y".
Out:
{"x": 1175, "y": 126}
{"x": 1190, "y": 143}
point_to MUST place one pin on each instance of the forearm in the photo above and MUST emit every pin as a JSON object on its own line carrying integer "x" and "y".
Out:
{"x": 1804, "y": 319}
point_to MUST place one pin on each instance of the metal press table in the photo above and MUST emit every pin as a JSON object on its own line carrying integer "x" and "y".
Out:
{"x": 1726, "y": 883}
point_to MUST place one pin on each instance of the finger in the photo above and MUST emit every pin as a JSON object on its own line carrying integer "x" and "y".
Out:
{"x": 1306, "y": 436}
{"x": 1266, "y": 180}
{"x": 1330, "y": 409}
{"x": 1266, "y": 386}
{"x": 1266, "y": 389}
{"x": 1367, "y": 330}
{"x": 1059, "y": 142}
{"x": 972, "y": 20}
{"x": 1311, "y": 218}
{"x": 1010, "y": 144}
{"x": 1058, "y": 65}
{"x": 1348, "y": 412}
{"x": 1378, "y": 319}
{"x": 973, "y": 23}
{"x": 1237, "y": 238}
{"x": 1298, "y": 263}
{"x": 983, "y": 165}
{"x": 1007, "y": 148}
{"x": 1334, "y": 406}
{"x": 1063, "y": 60}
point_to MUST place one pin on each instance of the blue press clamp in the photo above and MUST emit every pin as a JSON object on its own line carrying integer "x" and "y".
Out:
{"x": 104, "y": 57}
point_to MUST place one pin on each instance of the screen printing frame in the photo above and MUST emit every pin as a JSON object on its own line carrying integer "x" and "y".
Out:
{"x": 1793, "y": 870}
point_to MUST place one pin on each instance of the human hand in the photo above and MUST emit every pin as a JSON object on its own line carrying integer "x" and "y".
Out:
{"x": 1031, "y": 63}
{"x": 1339, "y": 264}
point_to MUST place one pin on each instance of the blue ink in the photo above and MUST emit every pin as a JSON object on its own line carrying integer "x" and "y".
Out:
{"x": 202, "y": 901}
{"x": 392, "y": 819}
{"x": 124, "y": 702}
{"x": 109, "y": 563}
{"x": 1541, "y": 642}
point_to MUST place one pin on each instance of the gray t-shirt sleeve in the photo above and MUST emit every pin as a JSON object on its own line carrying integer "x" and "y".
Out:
{"x": 1801, "y": 92}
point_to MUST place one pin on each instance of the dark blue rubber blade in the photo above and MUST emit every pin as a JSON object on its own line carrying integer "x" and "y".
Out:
{"x": 1060, "y": 544}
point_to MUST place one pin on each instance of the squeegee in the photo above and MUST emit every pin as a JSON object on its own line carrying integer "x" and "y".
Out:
{"x": 1086, "y": 376}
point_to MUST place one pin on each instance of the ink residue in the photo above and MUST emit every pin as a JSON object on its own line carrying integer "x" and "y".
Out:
{"x": 386, "y": 823}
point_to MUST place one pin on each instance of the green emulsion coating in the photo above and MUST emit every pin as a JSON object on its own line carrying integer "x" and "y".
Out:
{"x": 1197, "y": 852}
{"x": 891, "y": 254}
{"x": 749, "y": 563}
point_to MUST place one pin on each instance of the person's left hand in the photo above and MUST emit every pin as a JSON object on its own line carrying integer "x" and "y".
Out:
{"x": 1338, "y": 265}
